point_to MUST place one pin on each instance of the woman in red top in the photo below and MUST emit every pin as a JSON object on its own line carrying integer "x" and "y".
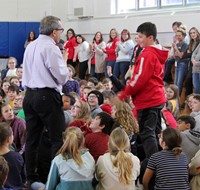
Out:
{"x": 71, "y": 45}
{"x": 110, "y": 50}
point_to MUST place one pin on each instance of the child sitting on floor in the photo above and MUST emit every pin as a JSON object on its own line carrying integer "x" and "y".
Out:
{"x": 118, "y": 169}
{"x": 16, "y": 177}
{"x": 73, "y": 167}
{"x": 97, "y": 142}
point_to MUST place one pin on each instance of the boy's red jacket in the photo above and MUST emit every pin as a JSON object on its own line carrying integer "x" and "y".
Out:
{"x": 146, "y": 86}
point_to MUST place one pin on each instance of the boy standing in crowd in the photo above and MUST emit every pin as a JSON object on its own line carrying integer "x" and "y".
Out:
{"x": 146, "y": 87}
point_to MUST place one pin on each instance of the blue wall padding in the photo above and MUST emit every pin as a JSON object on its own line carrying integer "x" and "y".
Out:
{"x": 4, "y": 39}
{"x": 14, "y": 36}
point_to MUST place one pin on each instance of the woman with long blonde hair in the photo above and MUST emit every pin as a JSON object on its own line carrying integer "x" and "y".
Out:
{"x": 119, "y": 168}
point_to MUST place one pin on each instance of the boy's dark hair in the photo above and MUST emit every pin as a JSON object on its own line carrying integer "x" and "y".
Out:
{"x": 196, "y": 97}
{"x": 20, "y": 67}
{"x": 106, "y": 120}
{"x": 13, "y": 88}
{"x": 177, "y": 23}
{"x": 4, "y": 169}
{"x": 72, "y": 99}
{"x": 148, "y": 29}
{"x": 188, "y": 119}
{"x": 93, "y": 80}
{"x": 5, "y": 132}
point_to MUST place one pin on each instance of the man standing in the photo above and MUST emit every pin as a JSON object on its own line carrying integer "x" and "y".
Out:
{"x": 44, "y": 74}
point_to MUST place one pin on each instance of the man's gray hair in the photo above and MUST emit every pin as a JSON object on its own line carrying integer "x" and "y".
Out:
{"x": 48, "y": 24}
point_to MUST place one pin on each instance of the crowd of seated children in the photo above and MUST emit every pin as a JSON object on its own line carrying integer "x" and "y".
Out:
{"x": 71, "y": 85}
{"x": 119, "y": 168}
{"x": 16, "y": 177}
{"x": 97, "y": 141}
{"x": 190, "y": 138}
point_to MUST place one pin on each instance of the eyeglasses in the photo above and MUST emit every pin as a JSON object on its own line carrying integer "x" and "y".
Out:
{"x": 61, "y": 29}
{"x": 75, "y": 106}
{"x": 91, "y": 97}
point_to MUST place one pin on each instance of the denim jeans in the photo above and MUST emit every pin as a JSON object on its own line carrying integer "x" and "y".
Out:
{"x": 109, "y": 63}
{"x": 180, "y": 74}
{"x": 121, "y": 68}
{"x": 196, "y": 82}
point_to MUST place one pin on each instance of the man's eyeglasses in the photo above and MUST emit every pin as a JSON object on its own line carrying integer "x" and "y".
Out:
{"x": 61, "y": 29}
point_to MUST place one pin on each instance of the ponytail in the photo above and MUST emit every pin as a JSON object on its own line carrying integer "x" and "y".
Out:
{"x": 124, "y": 164}
{"x": 73, "y": 138}
{"x": 177, "y": 150}
{"x": 119, "y": 146}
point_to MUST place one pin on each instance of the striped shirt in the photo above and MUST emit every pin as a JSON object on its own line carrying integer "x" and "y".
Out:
{"x": 171, "y": 171}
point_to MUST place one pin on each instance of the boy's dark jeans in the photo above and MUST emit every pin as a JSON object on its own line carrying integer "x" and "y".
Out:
{"x": 150, "y": 125}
